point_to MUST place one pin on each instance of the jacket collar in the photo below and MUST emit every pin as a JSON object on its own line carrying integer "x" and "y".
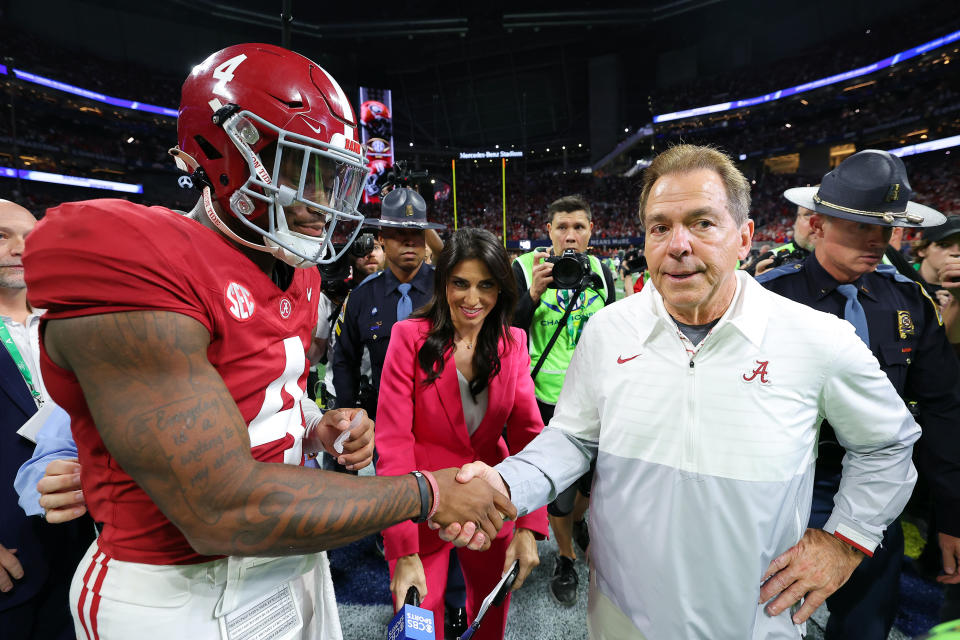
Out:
{"x": 748, "y": 312}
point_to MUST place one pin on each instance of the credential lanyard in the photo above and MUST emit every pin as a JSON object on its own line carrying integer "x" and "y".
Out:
{"x": 18, "y": 360}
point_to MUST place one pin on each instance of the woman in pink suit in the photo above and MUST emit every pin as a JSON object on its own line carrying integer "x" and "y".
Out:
{"x": 456, "y": 388}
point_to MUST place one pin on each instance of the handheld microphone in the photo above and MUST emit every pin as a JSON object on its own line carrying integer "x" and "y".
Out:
{"x": 411, "y": 622}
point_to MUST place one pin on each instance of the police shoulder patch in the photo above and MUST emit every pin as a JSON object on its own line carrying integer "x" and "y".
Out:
{"x": 777, "y": 272}
{"x": 891, "y": 272}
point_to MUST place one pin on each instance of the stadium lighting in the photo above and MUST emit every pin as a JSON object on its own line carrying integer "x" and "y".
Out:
{"x": 93, "y": 95}
{"x": 70, "y": 181}
{"x": 815, "y": 84}
{"x": 130, "y": 140}
{"x": 924, "y": 147}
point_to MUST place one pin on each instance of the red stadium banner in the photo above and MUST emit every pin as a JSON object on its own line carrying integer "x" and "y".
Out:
{"x": 376, "y": 131}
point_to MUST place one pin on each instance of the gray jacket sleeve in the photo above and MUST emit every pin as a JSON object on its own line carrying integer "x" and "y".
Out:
{"x": 563, "y": 451}
{"x": 877, "y": 431}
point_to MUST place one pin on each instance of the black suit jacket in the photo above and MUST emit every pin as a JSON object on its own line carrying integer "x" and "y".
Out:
{"x": 47, "y": 552}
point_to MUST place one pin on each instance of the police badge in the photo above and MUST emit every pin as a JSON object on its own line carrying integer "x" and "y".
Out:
{"x": 905, "y": 326}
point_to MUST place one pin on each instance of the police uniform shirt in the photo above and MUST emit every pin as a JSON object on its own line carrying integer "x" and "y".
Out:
{"x": 368, "y": 315}
{"x": 908, "y": 340}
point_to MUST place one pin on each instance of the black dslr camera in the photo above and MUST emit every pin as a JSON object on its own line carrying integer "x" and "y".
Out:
{"x": 335, "y": 277}
{"x": 362, "y": 245}
{"x": 633, "y": 262}
{"x": 571, "y": 270}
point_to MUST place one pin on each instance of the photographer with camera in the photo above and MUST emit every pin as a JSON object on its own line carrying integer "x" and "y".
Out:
{"x": 796, "y": 250}
{"x": 633, "y": 271}
{"x": 364, "y": 258}
{"x": 561, "y": 288}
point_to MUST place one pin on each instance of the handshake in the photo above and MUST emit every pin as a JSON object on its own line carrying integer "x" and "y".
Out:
{"x": 473, "y": 504}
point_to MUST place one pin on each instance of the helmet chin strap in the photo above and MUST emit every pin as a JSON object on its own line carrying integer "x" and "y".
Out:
{"x": 221, "y": 225}
{"x": 273, "y": 249}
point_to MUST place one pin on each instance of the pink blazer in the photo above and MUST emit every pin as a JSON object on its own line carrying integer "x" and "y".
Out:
{"x": 422, "y": 426}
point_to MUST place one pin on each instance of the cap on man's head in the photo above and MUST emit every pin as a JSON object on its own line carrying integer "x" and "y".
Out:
{"x": 403, "y": 209}
{"x": 871, "y": 187}
{"x": 949, "y": 228}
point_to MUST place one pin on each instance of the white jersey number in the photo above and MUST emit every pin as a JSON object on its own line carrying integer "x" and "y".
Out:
{"x": 224, "y": 73}
{"x": 273, "y": 421}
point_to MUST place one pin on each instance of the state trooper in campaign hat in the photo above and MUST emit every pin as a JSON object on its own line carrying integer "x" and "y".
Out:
{"x": 902, "y": 326}
{"x": 871, "y": 186}
{"x": 403, "y": 209}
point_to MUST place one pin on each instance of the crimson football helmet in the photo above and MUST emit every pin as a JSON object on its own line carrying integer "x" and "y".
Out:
{"x": 269, "y": 132}
{"x": 375, "y": 116}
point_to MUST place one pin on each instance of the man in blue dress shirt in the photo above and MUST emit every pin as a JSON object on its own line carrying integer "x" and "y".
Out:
{"x": 856, "y": 208}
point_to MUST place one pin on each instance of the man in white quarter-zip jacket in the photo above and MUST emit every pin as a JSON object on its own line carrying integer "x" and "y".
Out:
{"x": 700, "y": 399}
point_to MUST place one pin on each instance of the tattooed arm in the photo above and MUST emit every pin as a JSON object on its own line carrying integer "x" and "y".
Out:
{"x": 165, "y": 414}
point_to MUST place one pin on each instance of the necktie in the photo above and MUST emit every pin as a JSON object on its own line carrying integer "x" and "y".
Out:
{"x": 853, "y": 312}
{"x": 404, "y": 304}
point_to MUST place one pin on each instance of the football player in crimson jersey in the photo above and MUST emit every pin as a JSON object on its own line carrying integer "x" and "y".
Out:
{"x": 177, "y": 345}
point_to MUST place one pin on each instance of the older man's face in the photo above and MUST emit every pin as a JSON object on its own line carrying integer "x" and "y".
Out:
{"x": 693, "y": 244}
{"x": 15, "y": 224}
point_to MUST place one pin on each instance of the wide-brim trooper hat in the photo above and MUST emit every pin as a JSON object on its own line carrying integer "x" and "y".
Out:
{"x": 870, "y": 186}
{"x": 403, "y": 209}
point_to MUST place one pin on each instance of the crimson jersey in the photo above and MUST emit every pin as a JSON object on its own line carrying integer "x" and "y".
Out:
{"x": 104, "y": 256}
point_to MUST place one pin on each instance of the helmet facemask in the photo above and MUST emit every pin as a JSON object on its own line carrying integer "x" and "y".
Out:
{"x": 297, "y": 171}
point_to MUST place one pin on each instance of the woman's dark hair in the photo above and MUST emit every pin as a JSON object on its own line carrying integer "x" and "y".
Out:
{"x": 469, "y": 244}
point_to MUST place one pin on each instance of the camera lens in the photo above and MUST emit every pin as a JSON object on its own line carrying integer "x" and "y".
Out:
{"x": 362, "y": 245}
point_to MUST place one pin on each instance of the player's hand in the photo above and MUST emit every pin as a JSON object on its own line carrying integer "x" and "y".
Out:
{"x": 950, "y": 549}
{"x": 407, "y": 573}
{"x": 542, "y": 275}
{"x": 523, "y": 547}
{"x": 468, "y": 535}
{"x": 10, "y": 568}
{"x": 810, "y": 571}
{"x": 949, "y": 275}
{"x": 357, "y": 448}
{"x": 473, "y": 505}
{"x": 60, "y": 493}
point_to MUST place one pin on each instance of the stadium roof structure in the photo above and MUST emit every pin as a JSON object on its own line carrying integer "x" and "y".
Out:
{"x": 532, "y": 74}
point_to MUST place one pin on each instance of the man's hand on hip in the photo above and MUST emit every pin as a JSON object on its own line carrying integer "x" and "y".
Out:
{"x": 10, "y": 568}
{"x": 810, "y": 570}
